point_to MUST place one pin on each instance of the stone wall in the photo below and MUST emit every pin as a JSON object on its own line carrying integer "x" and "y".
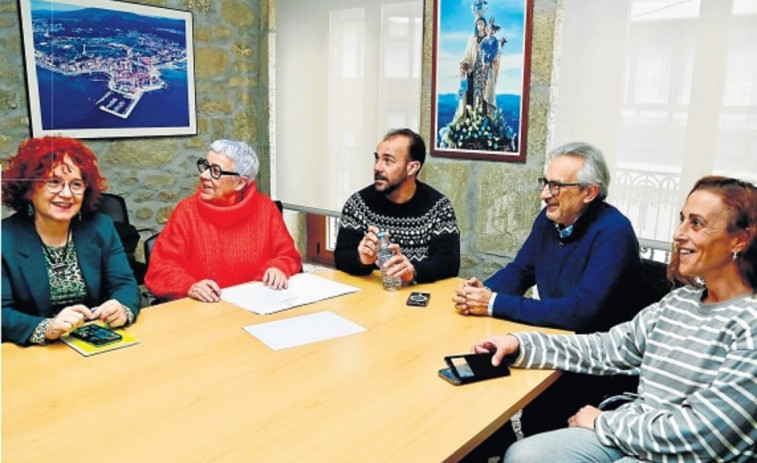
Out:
{"x": 495, "y": 202}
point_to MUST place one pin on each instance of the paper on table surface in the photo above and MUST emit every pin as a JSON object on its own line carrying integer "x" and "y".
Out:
{"x": 304, "y": 288}
{"x": 304, "y": 329}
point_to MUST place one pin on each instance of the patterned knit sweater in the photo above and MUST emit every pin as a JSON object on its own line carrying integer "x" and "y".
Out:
{"x": 698, "y": 377}
{"x": 424, "y": 227}
{"x": 230, "y": 245}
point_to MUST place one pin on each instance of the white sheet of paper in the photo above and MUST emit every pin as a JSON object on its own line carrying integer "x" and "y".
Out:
{"x": 304, "y": 288}
{"x": 304, "y": 329}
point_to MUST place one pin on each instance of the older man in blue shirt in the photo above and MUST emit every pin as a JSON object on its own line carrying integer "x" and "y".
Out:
{"x": 583, "y": 256}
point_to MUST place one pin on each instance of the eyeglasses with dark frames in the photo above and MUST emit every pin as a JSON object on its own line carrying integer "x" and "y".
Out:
{"x": 215, "y": 169}
{"x": 55, "y": 185}
{"x": 554, "y": 186}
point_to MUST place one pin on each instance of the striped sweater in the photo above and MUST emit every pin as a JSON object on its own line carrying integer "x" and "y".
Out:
{"x": 698, "y": 377}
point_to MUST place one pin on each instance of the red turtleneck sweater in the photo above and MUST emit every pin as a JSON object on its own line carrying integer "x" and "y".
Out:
{"x": 231, "y": 245}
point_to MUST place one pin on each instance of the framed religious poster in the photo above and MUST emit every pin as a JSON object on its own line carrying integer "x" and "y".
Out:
{"x": 480, "y": 79}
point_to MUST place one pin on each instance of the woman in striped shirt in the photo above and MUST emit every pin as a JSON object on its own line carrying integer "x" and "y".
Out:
{"x": 695, "y": 351}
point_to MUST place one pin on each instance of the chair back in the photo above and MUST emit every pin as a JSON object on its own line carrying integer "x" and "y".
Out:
{"x": 149, "y": 244}
{"x": 654, "y": 281}
{"x": 114, "y": 206}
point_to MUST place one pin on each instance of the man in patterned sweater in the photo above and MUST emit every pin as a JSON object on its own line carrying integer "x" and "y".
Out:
{"x": 420, "y": 220}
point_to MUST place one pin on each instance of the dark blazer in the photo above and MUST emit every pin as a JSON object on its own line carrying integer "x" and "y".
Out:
{"x": 26, "y": 287}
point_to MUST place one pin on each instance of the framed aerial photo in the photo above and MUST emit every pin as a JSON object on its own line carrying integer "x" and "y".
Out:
{"x": 480, "y": 79}
{"x": 102, "y": 69}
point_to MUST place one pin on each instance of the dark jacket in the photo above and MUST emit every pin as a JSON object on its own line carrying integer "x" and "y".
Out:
{"x": 26, "y": 287}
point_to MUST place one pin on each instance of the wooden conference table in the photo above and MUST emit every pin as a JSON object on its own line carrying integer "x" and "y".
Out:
{"x": 198, "y": 388}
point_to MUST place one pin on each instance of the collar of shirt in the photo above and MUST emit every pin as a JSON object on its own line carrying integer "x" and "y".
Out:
{"x": 564, "y": 232}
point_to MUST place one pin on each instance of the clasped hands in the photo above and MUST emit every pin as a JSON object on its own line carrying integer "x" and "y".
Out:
{"x": 472, "y": 298}
{"x": 111, "y": 312}
{"x": 398, "y": 266}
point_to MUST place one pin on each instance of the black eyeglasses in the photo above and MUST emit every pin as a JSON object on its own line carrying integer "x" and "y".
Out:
{"x": 55, "y": 185}
{"x": 215, "y": 169}
{"x": 553, "y": 186}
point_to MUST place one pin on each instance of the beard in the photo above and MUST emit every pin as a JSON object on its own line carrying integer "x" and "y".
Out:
{"x": 389, "y": 187}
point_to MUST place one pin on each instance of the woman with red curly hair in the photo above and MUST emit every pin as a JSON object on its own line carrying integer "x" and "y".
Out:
{"x": 63, "y": 263}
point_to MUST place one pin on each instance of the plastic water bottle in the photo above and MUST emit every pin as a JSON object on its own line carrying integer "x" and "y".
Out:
{"x": 391, "y": 283}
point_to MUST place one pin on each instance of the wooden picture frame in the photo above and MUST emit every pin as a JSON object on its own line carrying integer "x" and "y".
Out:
{"x": 100, "y": 69}
{"x": 480, "y": 79}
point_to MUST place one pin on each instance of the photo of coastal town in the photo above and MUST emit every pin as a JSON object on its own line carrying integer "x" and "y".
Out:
{"x": 107, "y": 69}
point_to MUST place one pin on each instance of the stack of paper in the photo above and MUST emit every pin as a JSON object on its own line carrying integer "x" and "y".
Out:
{"x": 304, "y": 288}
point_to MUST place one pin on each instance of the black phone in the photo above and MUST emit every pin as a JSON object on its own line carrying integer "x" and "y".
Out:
{"x": 469, "y": 368}
{"x": 417, "y": 299}
{"x": 447, "y": 375}
{"x": 96, "y": 335}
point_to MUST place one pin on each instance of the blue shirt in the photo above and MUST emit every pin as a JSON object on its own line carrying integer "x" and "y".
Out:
{"x": 588, "y": 281}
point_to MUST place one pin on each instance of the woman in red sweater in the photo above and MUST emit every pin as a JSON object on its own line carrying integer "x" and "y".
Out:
{"x": 225, "y": 234}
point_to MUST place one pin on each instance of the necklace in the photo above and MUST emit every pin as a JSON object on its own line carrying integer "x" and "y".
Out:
{"x": 57, "y": 265}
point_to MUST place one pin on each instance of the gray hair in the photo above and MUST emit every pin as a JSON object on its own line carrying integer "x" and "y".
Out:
{"x": 594, "y": 170}
{"x": 243, "y": 157}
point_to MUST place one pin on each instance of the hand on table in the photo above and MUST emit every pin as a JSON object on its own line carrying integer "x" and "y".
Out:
{"x": 67, "y": 320}
{"x": 275, "y": 279}
{"x": 501, "y": 346}
{"x": 111, "y": 312}
{"x": 472, "y": 298}
{"x": 205, "y": 291}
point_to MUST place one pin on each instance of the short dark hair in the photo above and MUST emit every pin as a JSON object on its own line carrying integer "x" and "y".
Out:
{"x": 417, "y": 148}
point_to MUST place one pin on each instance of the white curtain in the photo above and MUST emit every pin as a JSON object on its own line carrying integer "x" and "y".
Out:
{"x": 345, "y": 73}
{"x": 667, "y": 89}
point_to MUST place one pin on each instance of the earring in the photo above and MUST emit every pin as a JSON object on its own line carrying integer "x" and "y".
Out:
{"x": 735, "y": 255}
{"x": 30, "y": 210}
{"x": 80, "y": 215}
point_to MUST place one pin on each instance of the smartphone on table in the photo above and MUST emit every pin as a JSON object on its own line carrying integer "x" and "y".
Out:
{"x": 96, "y": 335}
{"x": 417, "y": 299}
{"x": 469, "y": 368}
